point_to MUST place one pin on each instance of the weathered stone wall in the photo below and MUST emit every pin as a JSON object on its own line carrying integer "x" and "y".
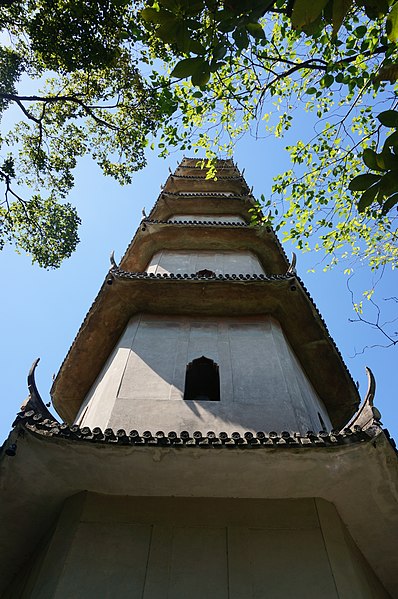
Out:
{"x": 262, "y": 384}
{"x": 152, "y": 548}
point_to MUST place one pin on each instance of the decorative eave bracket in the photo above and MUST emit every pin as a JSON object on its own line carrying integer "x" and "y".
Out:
{"x": 368, "y": 415}
{"x": 34, "y": 401}
{"x": 292, "y": 266}
{"x": 113, "y": 261}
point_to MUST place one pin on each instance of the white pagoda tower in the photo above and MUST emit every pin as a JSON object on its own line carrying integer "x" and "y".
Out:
{"x": 211, "y": 441}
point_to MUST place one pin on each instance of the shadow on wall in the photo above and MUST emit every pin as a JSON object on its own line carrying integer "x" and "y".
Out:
{"x": 259, "y": 380}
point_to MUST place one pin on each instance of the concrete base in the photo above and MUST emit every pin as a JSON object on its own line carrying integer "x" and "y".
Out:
{"x": 199, "y": 547}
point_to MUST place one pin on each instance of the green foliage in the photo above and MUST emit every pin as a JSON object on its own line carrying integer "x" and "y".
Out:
{"x": 380, "y": 188}
{"x": 230, "y": 66}
{"x": 10, "y": 71}
{"x": 392, "y": 24}
{"x": 95, "y": 101}
{"x": 207, "y": 29}
{"x": 331, "y": 59}
{"x": 44, "y": 229}
{"x": 68, "y": 35}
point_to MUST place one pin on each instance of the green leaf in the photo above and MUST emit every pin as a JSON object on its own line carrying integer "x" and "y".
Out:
{"x": 312, "y": 28}
{"x": 256, "y": 30}
{"x": 169, "y": 32}
{"x": 215, "y": 65}
{"x": 196, "y": 47}
{"x": 388, "y": 72}
{"x": 172, "y": 5}
{"x": 340, "y": 10}
{"x": 390, "y": 203}
{"x": 376, "y": 9}
{"x": 241, "y": 39}
{"x": 360, "y": 31}
{"x": 370, "y": 159}
{"x": 159, "y": 17}
{"x": 200, "y": 78}
{"x": 392, "y": 140}
{"x": 389, "y": 183}
{"x": 186, "y": 67}
{"x": 389, "y": 160}
{"x": 311, "y": 90}
{"x": 328, "y": 12}
{"x": 227, "y": 25}
{"x": 381, "y": 165}
{"x": 362, "y": 182}
{"x": 150, "y": 15}
{"x": 392, "y": 24}
{"x": 306, "y": 12}
{"x": 327, "y": 80}
{"x": 368, "y": 197}
{"x": 388, "y": 118}
{"x": 196, "y": 68}
{"x": 219, "y": 51}
{"x": 183, "y": 38}
{"x": 191, "y": 7}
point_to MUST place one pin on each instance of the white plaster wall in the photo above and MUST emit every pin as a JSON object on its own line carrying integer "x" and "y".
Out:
{"x": 205, "y": 218}
{"x": 147, "y": 548}
{"x": 190, "y": 262}
{"x": 262, "y": 384}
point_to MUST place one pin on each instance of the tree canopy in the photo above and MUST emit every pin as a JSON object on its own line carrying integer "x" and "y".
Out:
{"x": 112, "y": 76}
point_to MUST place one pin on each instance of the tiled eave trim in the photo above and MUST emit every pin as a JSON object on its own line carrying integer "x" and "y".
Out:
{"x": 221, "y": 161}
{"x": 45, "y": 427}
{"x": 219, "y": 177}
{"x": 117, "y": 273}
{"x": 208, "y": 194}
{"x": 203, "y": 223}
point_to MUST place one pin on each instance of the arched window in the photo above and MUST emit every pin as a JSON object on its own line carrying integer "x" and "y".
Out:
{"x": 202, "y": 380}
{"x": 205, "y": 273}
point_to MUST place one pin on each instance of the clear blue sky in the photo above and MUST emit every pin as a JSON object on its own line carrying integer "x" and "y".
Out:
{"x": 43, "y": 310}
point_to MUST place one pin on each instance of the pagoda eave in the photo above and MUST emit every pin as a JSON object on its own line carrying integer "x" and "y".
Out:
{"x": 154, "y": 236}
{"x": 169, "y": 204}
{"x": 47, "y": 469}
{"x": 181, "y": 183}
{"x": 283, "y": 297}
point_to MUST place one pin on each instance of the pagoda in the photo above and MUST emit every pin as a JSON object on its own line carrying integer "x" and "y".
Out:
{"x": 211, "y": 441}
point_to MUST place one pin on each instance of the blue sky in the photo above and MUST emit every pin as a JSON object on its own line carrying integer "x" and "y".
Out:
{"x": 43, "y": 310}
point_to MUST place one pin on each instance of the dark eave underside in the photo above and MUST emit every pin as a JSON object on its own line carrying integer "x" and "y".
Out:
{"x": 154, "y": 235}
{"x": 201, "y": 203}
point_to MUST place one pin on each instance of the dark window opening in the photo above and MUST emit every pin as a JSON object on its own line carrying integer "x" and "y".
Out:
{"x": 202, "y": 380}
{"x": 205, "y": 273}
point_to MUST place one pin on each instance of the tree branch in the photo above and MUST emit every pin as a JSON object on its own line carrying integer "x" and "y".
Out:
{"x": 372, "y": 323}
{"x": 54, "y": 99}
